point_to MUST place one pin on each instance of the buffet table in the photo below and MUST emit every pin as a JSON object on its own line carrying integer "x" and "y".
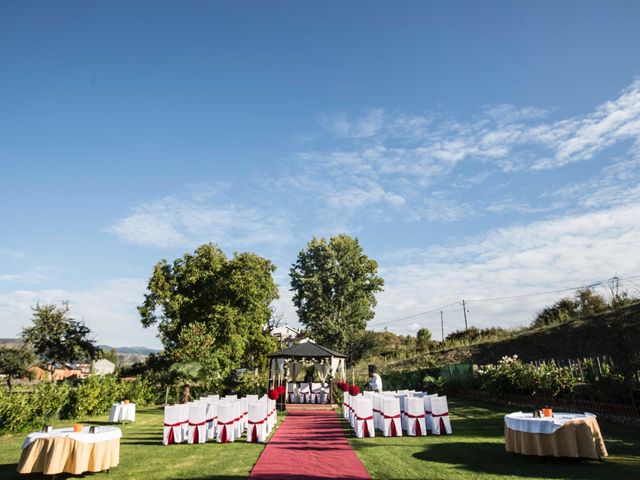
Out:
{"x": 64, "y": 451}
{"x": 574, "y": 435}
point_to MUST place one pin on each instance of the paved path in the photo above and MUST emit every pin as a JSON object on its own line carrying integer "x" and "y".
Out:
{"x": 309, "y": 445}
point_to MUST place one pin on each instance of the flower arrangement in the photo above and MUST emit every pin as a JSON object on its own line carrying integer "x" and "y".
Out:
{"x": 354, "y": 390}
{"x": 273, "y": 394}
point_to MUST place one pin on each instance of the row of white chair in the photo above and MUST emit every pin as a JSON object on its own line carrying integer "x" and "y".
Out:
{"x": 307, "y": 393}
{"x": 220, "y": 419}
{"x": 416, "y": 413}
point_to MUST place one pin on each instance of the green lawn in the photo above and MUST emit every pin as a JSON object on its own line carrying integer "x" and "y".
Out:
{"x": 142, "y": 455}
{"x": 476, "y": 451}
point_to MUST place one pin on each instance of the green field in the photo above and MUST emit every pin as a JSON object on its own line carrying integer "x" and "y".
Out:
{"x": 475, "y": 451}
{"x": 142, "y": 455}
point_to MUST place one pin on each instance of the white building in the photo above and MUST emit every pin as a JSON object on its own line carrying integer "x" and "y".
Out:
{"x": 103, "y": 367}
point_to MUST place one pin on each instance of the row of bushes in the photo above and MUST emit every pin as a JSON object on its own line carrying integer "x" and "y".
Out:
{"x": 511, "y": 375}
{"x": 49, "y": 401}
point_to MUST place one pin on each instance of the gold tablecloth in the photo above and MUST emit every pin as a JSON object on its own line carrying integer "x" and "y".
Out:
{"x": 56, "y": 455}
{"x": 576, "y": 438}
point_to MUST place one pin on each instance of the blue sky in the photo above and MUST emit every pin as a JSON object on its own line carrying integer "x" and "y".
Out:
{"x": 476, "y": 149}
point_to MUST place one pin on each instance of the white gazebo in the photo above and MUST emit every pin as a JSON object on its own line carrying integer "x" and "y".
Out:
{"x": 285, "y": 365}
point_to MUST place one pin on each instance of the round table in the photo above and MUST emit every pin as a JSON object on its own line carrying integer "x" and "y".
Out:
{"x": 575, "y": 435}
{"x": 64, "y": 451}
{"x": 122, "y": 412}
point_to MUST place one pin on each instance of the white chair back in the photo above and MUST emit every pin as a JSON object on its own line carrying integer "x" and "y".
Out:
{"x": 427, "y": 408}
{"x": 440, "y": 422}
{"x": 184, "y": 419}
{"x": 257, "y": 422}
{"x": 364, "y": 418}
{"x": 197, "y": 423}
{"x": 392, "y": 424}
{"x": 172, "y": 432}
{"x": 416, "y": 423}
{"x": 225, "y": 431}
{"x": 376, "y": 400}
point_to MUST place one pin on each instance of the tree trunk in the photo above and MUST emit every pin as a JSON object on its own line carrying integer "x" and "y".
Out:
{"x": 9, "y": 382}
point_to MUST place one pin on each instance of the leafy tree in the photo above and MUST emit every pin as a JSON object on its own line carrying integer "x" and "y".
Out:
{"x": 110, "y": 355}
{"x": 14, "y": 363}
{"x": 187, "y": 374}
{"x": 213, "y": 310}
{"x": 561, "y": 311}
{"x": 589, "y": 302}
{"x": 423, "y": 339}
{"x": 56, "y": 337}
{"x": 334, "y": 285}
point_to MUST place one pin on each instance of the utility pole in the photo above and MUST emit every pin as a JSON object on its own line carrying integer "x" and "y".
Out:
{"x": 442, "y": 324}
{"x": 464, "y": 309}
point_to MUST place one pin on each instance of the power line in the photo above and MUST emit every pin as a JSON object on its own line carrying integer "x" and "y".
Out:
{"x": 499, "y": 299}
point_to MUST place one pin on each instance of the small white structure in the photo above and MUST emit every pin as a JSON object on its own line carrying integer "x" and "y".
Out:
{"x": 103, "y": 367}
{"x": 284, "y": 333}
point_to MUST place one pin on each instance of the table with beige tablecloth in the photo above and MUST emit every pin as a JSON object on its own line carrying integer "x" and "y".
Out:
{"x": 65, "y": 451}
{"x": 574, "y": 435}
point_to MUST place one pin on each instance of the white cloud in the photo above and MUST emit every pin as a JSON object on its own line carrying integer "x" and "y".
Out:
{"x": 109, "y": 310}
{"x": 545, "y": 255}
{"x": 183, "y": 222}
{"x": 411, "y": 156}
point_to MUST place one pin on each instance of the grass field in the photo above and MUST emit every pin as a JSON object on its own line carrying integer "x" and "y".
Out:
{"x": 476, "y": 452}
{"x": 142, "y": 455}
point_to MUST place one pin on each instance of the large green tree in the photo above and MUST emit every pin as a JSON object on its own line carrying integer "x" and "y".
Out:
{"x": 15, "y": 362}
{"x": 56, "y": 337}
{"x": 334, "y": 285}
{"x": 213, "y": 310}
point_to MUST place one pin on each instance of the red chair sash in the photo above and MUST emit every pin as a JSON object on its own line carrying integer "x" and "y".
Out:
{"x": 415, "y": 416}
{"x": 392, "y": 416}
{"x": 445, "y": 414}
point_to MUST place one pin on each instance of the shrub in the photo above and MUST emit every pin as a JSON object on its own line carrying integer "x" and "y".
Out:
{"x": 511, "y": 375}
{"x": 20, "y": 411}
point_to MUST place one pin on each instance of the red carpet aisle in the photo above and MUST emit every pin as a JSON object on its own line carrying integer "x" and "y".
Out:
{"x": 309, "y": 445}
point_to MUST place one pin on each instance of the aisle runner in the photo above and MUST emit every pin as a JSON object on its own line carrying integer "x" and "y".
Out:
{"x": 310, "y": 445}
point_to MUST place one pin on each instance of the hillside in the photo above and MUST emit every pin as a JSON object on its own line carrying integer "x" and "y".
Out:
{"x": 597, "y": 335}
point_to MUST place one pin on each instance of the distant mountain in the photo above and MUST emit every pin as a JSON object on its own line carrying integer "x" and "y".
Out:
{"x": 132, "y": 350}
{"x": 11, "y": 342}
{"x": 130, "y": 355}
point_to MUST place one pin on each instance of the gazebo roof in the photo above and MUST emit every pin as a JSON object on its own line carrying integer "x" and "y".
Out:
{"x": 307, "y": 349}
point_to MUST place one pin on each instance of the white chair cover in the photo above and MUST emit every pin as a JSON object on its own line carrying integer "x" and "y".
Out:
{"x": 416, "y": 424}
{"x": 172, "y": 432}
{"x": 197, "y": 423}
{"x": 184, "y": 420}
{"x": 364, "y": 418}
{"x": 376, "y": 401}
{"x": 403, "y": 409}
{"x": 225, "y": 431}
{"x": 237, "y": 417}
{"x": 440, "y": 422}
{"x": 427, "y": 409}
{"x": 212, "y": 417}
{"x": 304, "y": 393}
{"x": 257, "y": 431}
{"x": 271, "y": 413}
{"x": 392, "y": 424}
{"x": 292, "y": 393}
{"x": 346, "y": 409}
{"x": 316, "y": 392}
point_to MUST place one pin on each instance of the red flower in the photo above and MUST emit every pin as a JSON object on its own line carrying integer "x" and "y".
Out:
{"x": 344, "y": 386}
{"x": 354, "y": 390}
{"x": 281, "y": 389}
{"x": 273, "y": 394}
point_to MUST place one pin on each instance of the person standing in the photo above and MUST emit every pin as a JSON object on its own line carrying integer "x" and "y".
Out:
{"x": 375, "y": 384}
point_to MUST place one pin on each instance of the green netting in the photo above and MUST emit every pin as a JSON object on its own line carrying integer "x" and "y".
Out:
{"x": 457, "y": 371}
